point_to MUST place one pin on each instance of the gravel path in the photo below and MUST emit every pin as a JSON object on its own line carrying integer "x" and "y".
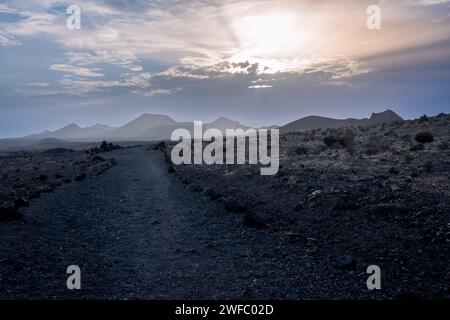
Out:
{"x": 137, "y": 232}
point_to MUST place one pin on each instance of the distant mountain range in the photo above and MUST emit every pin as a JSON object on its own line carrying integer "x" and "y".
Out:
{"x": 147, "y": 127}
{"x": 154, "y": 127}
{"x": 315, "y": 122}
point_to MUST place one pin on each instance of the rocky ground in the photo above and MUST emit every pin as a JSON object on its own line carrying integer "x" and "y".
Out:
{"x": 350, "y": 198}
{"x": 341, "y": 201}
{"x": 136, "y": 232}
{"x": 25, "y": 175}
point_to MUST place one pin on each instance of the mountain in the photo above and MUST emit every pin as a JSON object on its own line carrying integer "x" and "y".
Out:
{"x": 316, "y": 122}
{"x": 163, "y": 132}
{"x": 387, "y": 116}
{"x": 153, "y": 127}
{"x": 140, "y": 125}
{"x": 70, "y": 131}
{"x": 223, "y": 123}
{"x": 130, "y": 131}
{"x": 74, "y": 132}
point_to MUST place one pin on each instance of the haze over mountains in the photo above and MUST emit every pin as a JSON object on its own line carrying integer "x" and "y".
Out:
{"x": 153, "y": 127}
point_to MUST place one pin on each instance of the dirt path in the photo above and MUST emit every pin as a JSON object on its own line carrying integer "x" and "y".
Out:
{"x": 136, "y": 232}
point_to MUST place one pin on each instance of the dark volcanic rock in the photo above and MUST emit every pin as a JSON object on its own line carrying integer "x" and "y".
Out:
{"x": 253, "y": 220}
{"x": 98, "y": 158}
{"x": 417, "y": 147}
{"x": 345, "y": 203}
{"x": 388, "y": 208}
{"x": 428, "y": 167}
{"x": 8, "y": 214}
{"x": 424, "y": 137}
{"x": 394, "y": 170}
{"x": 346, "y": 263}
{"x": 57, "y": 151}
{"x": 235, "y": 206}
{"x": 20, "y": 202}
{"x": 212, "y": 194}
{"x": 104, "y": 146}
{"x": 160, "y": 146}
{"x": 80, "y": 177}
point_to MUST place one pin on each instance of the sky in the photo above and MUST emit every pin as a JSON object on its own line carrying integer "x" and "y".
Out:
{"x": 259, "y": 62}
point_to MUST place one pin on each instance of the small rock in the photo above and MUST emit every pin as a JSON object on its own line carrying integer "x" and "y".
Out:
{"x": 443, "y": 146}
{"x": 292, "y": 180}
{"x": 235, "y": 206}
{"x": 98, "y": 159}
{"x": 343, "y": 203}
{"x": 253, "y": 220}
{"x": 314, "y": 195}
{"x": 18, "y": 185}
{"x": 346, "y": 263}
{"x": 428, "y": 167}
{"x": 80, "y": 177}
{"x": 212, "y": 194}
{"x": 8, "y": 214}
{"x": 417, "y": 147}
{"x": 388, "y": 208}
{"x": 186, "y": 181}
{"x": 20, "y": 202}
{"x": 394, "y": 171}
{"x": 293, "y": 237}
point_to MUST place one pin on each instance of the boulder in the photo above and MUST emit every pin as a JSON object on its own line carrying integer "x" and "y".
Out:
{"x": 9, "y": 214}
{"x": 424, "y": 137}
{"x": 235, "y": 206}
{"x": 20, "y": 202}
{"x": 253, "y": 220}
{"x": 81, "y": 177}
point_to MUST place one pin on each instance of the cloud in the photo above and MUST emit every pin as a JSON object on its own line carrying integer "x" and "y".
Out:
{"x": 158, "y": 92}
{"x": 210, "y": 40}
{"x": 426, "y": 2}
{"x": 38, "y": 84}
{"x": 260, "y": 86}
{"x": 6, "y": 41}
{"x": 123, "y": 58}
{"x": 78, "y": 71}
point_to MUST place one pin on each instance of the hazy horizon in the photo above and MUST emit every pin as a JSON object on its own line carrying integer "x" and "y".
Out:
{"x": 257, "y": 62}
{"x": 190, "y": 120}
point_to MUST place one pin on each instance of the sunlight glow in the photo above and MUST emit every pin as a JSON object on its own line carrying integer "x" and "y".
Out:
{"x": 265, "y": 35}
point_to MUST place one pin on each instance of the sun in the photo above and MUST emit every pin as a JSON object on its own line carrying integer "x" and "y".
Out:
{"x": 265, "y": 34}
